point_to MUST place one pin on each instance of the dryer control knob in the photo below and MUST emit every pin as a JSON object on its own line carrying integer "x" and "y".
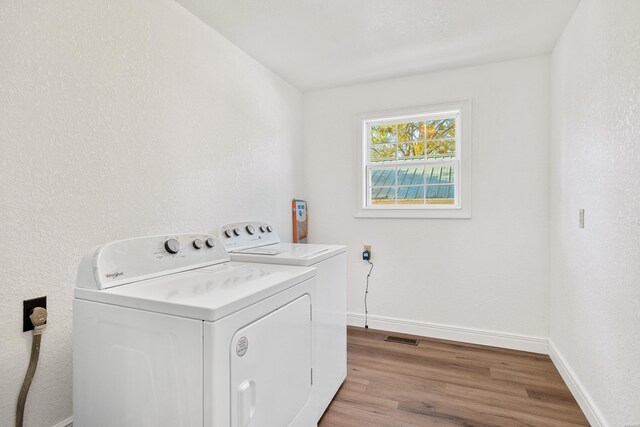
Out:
{"x": 250, "y": 229}
{"x": 236, "y": 231}
{"x": 172, "y": 246}
{"x": 269, "y": 228}
{"x": 197, "y": 244}
{"x": 211, "y": 242}
{"x": 263, "y": 228}
{"x": 227, "y": 233}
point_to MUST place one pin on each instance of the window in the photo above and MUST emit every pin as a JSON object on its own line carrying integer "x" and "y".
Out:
{"x": 415, "y": 162}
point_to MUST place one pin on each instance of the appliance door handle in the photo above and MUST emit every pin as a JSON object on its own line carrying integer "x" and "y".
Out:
{"x": 246, "y": 402}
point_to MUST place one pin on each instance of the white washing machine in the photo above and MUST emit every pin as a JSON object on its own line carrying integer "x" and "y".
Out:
{"x": 168, "y": 332}
{"x": 258, "y": 242}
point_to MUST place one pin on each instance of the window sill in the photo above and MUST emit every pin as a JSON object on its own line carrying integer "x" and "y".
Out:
{"x": 414, "y": 213}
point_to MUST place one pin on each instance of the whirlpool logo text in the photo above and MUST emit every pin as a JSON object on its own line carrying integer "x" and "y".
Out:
{"x": 113, "y": 275}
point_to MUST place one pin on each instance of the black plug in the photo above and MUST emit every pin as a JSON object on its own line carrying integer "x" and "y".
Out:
{"x": 366, "y": 255}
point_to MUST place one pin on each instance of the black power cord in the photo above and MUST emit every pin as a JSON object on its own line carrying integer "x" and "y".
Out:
{"x": 366, "y": 293}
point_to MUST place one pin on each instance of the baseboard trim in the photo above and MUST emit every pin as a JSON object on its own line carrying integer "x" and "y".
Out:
{"x": 455, "y": 333}
{"x": 65, "y": 423}
{"x": 581, "y": 395}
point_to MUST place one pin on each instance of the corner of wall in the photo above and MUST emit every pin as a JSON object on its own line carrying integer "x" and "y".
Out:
{"x": 580, "y": 393}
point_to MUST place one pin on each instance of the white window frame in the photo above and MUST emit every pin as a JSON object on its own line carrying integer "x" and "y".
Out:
{"x": 462, "y": 180}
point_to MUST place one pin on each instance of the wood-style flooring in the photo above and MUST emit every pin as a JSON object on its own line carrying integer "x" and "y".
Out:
{"x": 446, "y": 383}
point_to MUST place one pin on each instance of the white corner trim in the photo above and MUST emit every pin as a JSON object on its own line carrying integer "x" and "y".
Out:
{"x": 65, "y": 423}
{"x": 455, "y": 333}
{"x": 580, "y": 393}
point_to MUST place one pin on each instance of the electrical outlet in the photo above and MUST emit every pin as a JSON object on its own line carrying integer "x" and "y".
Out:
{"x": 27, "y": 308}
{"x": 366, "y": 253}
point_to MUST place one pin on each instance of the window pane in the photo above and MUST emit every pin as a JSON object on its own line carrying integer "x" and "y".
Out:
{"x": 440, "y": 175}
{"x": 440, "y": 185}
{"x": 411, "y": 176}
{"x": 441, "y": 128}
{"x": 411, "y": 195}
{"x": 383, "y": 195}
{"x": 441, "y": 138}
{"x": 413, "y": 131}
{"x": 440, "y": 194}
{"x": 382, "y": 153}
{"x": 411, "y": 151}
{"x": 383, "y": 134}
{"x": 382, "y": 177}
{"x": 441, "y": 148}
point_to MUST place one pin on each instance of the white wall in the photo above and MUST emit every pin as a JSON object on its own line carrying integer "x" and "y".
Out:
{"x": 490, "y": 272}
{"x": 595, "y": 165}
{"x": 121, "y": 118}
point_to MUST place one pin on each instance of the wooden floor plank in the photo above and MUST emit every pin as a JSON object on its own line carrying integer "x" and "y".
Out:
{"x": 446, "y": 383}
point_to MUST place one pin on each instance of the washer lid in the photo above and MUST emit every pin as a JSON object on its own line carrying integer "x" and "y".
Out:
{"x": 209, "y": 293}
{"x": 304, "y": 254}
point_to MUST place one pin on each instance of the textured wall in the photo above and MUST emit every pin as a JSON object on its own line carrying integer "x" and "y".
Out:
{"x": 490, "y": 272}
{"x": 121, "y": 118}
{"x": 595, "y": 153}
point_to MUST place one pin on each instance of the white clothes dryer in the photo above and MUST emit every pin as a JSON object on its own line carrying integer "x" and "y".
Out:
{"x": 168, "y": 332}
{"x": 258, "y": 242}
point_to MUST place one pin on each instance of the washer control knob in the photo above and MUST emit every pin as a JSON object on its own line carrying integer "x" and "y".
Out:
{"x": 269, "y": 228}
{"x": 236, "y": 231}
{"x": 197, "y": 244}
{"x": 250, "y": 229}
{"x": 172, "y": 246}
{"x": 211, "y": 242}
{"x": 227, "y": 233}
{"x": 263, "y": 228}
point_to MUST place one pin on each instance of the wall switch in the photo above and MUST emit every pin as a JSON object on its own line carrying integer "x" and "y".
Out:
{"x": 580, "y": 218}
{"x": 27, "y": 308}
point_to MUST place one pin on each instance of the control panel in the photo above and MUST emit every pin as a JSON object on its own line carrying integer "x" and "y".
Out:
{"x": 243, "y": 235}
{"x": 131, "y": 260}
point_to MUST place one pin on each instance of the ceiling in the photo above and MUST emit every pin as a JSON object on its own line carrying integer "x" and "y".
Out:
{"x": 316, "y": 44}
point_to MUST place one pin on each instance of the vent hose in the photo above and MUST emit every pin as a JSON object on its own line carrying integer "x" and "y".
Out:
{"x": 38, "y": 318}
